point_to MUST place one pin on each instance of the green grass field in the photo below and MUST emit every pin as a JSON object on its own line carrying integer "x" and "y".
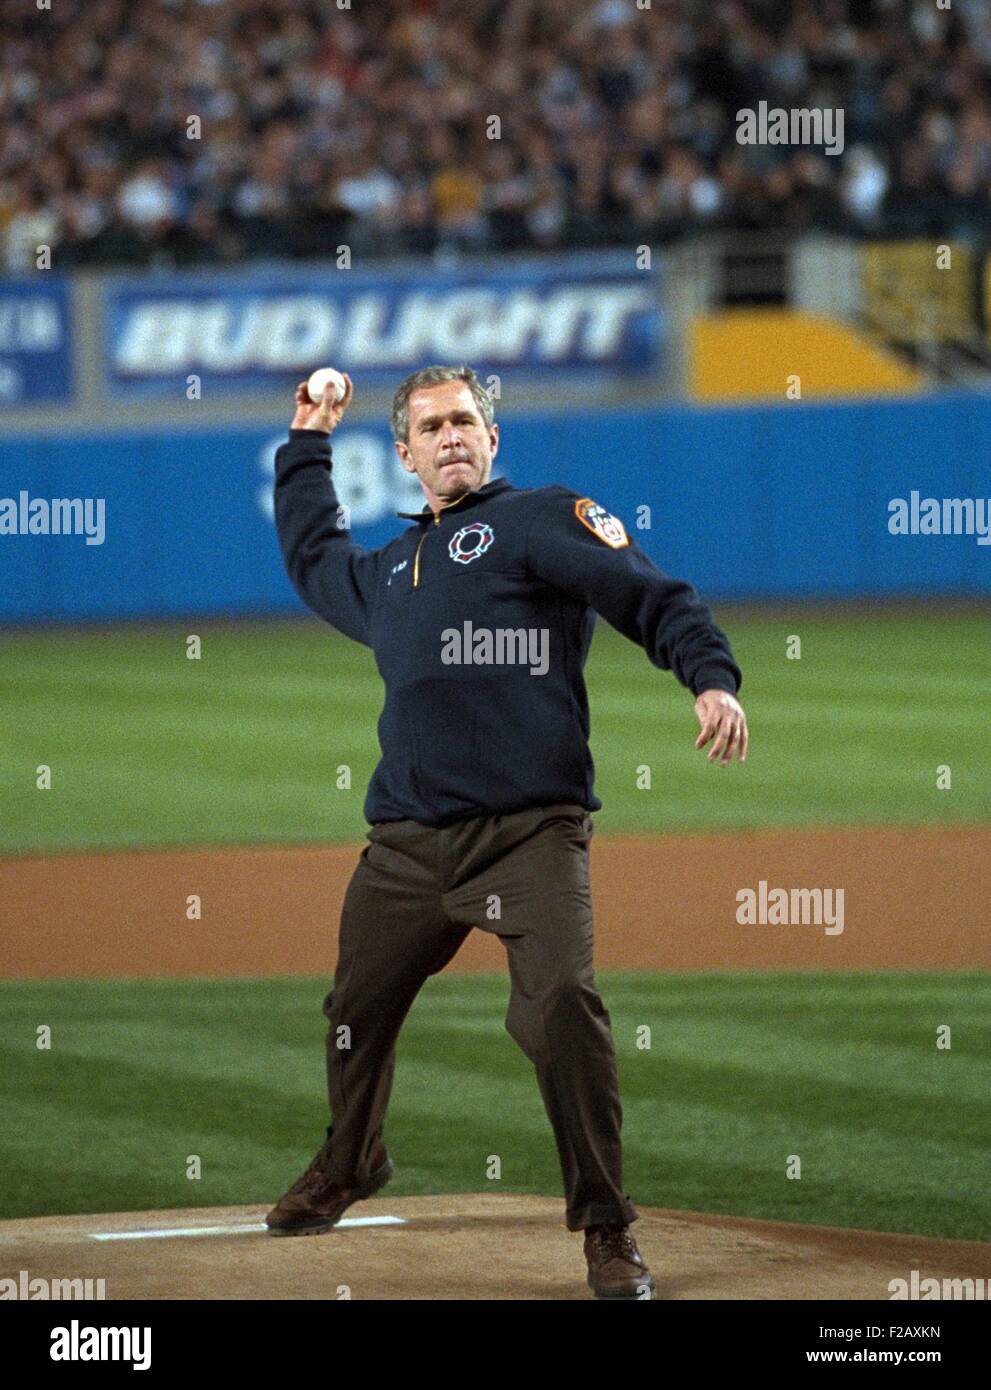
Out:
{"x": 743, "y": 1071}
{"x": 242, "y": 746}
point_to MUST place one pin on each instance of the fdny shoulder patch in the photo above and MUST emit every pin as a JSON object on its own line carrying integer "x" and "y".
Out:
{"x": 601, "y": 523}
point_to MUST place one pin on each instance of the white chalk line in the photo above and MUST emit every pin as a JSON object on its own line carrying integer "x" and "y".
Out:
{"x": 253, "y": 1228}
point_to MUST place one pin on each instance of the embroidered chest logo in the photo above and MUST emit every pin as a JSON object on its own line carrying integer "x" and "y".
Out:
{"x": 470, "y": 542}
{"x": 601, "y": 523}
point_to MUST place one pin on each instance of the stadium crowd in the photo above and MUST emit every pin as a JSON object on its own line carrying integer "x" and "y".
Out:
{"x": 176, "y": 132}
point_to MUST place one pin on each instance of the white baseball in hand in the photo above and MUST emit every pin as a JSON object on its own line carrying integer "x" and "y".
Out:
{"x": 323, "y": 377}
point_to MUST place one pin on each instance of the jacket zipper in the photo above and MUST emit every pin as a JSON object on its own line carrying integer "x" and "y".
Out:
{"x": 416, "y": 557}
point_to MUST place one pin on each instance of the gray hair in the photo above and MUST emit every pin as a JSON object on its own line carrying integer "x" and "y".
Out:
{"x": 436, "y": 376}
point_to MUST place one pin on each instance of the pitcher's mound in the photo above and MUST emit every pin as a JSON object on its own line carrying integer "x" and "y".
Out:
{"x": 464, "y": 1246}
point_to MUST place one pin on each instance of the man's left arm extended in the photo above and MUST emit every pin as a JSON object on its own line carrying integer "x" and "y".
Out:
{"x": 663, "y": 615}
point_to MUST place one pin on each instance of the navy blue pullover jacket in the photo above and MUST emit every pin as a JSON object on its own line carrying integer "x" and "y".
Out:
{"x": 480, "y": 617}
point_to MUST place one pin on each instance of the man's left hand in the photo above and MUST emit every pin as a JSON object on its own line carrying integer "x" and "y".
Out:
{"x": 722, "y": 718}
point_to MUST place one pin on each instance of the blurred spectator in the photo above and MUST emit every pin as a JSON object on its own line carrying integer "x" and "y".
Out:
{"x": 31, "y": 224}
{"x": 172, "y": 132}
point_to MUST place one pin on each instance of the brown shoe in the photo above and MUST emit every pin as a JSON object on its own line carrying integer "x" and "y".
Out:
{"x": 316, "y": 1202}
{"x": 615, "y": 1265}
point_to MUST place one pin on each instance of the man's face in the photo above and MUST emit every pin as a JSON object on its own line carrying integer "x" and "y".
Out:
{"x": 450, "y": 448}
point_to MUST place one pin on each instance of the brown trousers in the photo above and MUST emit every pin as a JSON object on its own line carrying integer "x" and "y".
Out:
{"x": 415, "y": 895}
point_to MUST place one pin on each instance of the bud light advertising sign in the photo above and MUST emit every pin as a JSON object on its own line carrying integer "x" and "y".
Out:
{"x": 255, "y": 331}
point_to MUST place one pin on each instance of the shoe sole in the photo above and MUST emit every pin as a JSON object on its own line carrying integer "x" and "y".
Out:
{"x": 628, "y": 1294}
{"x": 321, "y": 1224}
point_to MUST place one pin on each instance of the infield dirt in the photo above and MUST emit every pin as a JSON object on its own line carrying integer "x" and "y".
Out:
{"x": 914, "y": 899}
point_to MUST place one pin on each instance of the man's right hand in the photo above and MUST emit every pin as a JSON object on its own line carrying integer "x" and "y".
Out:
{"x": 326, "y": 416}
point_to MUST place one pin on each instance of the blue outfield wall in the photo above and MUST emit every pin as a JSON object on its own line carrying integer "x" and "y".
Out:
{"x": 774, "y": 502}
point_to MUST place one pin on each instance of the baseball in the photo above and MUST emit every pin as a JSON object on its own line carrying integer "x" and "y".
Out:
{"x": 320, "y": 380}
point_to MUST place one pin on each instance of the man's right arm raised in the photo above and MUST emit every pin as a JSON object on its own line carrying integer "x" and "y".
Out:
{"x": 331, "y": 574}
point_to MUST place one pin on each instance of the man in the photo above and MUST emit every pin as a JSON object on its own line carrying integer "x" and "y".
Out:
{"x": 480, "y": 616}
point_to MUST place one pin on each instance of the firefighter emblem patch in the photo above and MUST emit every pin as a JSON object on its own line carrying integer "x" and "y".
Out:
{"x": 470, "y": 542}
